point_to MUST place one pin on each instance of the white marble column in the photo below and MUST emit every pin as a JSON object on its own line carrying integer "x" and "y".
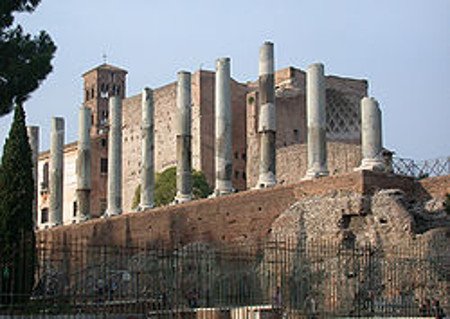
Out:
{"x": 316, "y": 119}
{"x": 83, "y": 165}
{"x": 114, "y": 192}
{"x": 147, "y": 149}
{"x": 371, "y": 136}
{"x": 33, "y": 138}
{"x": 184, "y": 138}
{"x": 267, "y": 117}
{"x": 223, "y": 129}
{"x": 56, "y": 172}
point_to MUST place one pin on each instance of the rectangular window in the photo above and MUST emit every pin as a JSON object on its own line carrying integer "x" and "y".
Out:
{"x": 296, "y": 136}
{"x": 103, "y": 165}
{"x": 103, "y": 205}
{"x": 75, "y": 208}
{"x": 44, "y": 215}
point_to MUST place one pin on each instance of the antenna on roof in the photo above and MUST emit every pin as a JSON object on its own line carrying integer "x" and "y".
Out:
{"x": 104, "y": 56}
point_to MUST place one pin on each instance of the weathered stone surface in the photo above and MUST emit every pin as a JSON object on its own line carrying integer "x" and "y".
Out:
{"x": 115, "y": 157}
{"x": 223, "y": 131}
{"x": 267, "y": 118}
{"x": 291, "y": 130}
{"x": 83, "y": 166}
{"x": 371, "y": 135}
{"x": 147, "y": 151}
{"x": 184, "y": 138}
{"x": 56, "y": 172}
{"x": 248, "y": 216}
{"x": 315, "y": 102}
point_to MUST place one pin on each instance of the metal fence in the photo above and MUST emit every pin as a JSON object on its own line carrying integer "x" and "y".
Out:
{"x": 421, "y": 169}
{"x": 283, "y": 277}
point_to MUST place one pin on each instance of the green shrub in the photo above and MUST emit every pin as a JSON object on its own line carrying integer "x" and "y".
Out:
{"x": 166, "y": 187}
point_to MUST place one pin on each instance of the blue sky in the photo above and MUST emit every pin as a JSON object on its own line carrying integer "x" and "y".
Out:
{"x": 401, "y": 46}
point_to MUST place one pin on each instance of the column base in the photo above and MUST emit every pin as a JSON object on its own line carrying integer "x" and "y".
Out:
{"x": 371, "y": 164}
{"x": 221, "y": 192}
{"x": 142, "y": 207}
{"x": 223, "y": 187}
{"x": 182, "y": 198}
{"x": 80, "y": 219}
{"x": 111, "y": 213}
{"x": 315, "y": 173}
{"x": 266, "y": 180}
{"x": 49, "y": 225}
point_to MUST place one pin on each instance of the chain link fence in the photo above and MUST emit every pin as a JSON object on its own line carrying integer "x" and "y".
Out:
{"x": 421, "y": 169}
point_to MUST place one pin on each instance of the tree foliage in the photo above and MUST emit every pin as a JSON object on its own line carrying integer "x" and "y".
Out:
{"x": 17, "y": 243}
{"x": 25, "y": 60}
{"x": 166, "y": 187}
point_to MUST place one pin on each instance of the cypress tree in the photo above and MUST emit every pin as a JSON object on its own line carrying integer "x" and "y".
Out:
{"x": 17, "y": 241}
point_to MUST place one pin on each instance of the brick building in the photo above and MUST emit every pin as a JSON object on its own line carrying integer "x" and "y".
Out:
{"x": 343, "y": 132}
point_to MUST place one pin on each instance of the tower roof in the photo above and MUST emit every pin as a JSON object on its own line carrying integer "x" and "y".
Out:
{"x": 107, "y": 67}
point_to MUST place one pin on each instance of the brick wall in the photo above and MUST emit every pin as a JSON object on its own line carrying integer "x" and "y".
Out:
{"x": 292, "y": 161}
{"x": 207, "y": 127}
{"x": 244, "y": 217}
{"x": 164, "y": 99}
{"x": 291, "y": 119}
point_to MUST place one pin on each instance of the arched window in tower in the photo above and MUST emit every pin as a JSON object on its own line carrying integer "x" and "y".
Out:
{"x": 92, "y": 92}
{"x": 86, "y": 95}
{"x": 114, "y": 91}
{"x": 118, "y": 90}
{"x": 104, "y": 91}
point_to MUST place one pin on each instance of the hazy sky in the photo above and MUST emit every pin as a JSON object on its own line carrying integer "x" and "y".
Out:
{"x": 401, "y": 47}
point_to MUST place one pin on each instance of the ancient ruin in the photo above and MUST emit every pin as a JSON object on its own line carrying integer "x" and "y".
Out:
{"x": 267, "y": 125}
{"x": 184, "y": 139}
{"x": 115, "y": 158}
{"x": 148, "y": 151}
{"x": 320, "y": 223}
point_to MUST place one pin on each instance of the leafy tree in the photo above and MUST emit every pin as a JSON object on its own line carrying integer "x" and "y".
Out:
{"x": 166, "y": 187}
{"x": 24, "y": 60}
{"x": 17, "y": 242}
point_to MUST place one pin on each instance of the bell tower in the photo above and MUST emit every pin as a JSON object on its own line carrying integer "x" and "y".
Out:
{"x": 99, "y": 84}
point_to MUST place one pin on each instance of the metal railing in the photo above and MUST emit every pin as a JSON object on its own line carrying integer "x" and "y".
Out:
{"x": 286, "y": 277}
